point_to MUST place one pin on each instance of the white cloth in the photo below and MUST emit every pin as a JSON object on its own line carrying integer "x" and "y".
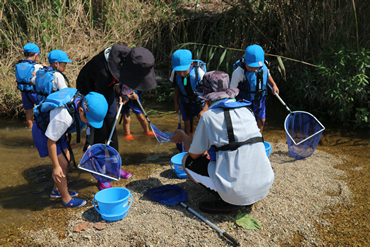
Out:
{"x": 243, "y": 176}
{"x": 59, "y": 82}
{"x": 60, "y": 121}
{"x": 238, "y": 76}
{"x": 37, "y": 68}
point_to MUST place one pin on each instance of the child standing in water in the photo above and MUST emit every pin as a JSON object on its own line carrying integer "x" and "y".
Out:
{"x": 25, "y": 72}
{"x": 134, "y": 106}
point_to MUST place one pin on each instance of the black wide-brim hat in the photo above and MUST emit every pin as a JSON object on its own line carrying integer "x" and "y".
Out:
{"x": 133, "y": 67}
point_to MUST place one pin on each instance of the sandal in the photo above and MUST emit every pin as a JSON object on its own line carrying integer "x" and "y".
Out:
{"x": 125, "y": 175}
{"x": 55, "y": 194}
{"x": 75, "y": 203}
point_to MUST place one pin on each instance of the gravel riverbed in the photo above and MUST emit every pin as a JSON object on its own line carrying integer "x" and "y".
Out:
{"x": 300, "y": 194}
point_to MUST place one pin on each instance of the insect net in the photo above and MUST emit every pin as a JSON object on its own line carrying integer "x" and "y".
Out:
{"x": 103, "y": 161}
{"x": 303, "y": 133}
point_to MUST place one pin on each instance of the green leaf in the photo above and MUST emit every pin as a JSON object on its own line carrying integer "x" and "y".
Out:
{"x": 282, "y": 67}
{"x": 221, "y": 58}
{"x": 247, "y": 222}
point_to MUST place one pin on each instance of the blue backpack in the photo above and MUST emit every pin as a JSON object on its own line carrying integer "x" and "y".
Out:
{"x": 199, "y": 64}
{"x": 187, "y": 90}
{"x": 66, "y": 97}
{"x": 44, "y": 83}
{"x": 255, "y": 84}
{"x": 23, "y": 74}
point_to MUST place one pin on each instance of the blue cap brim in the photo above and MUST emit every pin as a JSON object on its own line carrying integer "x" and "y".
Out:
{"x": 65, "y": 61}
{"x": 181, "y": 68}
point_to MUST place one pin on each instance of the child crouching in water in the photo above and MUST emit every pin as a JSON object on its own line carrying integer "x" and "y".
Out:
{"x": 50, "y": 138}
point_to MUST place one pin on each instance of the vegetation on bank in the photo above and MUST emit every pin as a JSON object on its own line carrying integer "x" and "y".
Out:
{"x": 319, "y": 51}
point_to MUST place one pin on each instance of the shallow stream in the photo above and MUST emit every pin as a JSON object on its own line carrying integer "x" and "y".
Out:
{"x": 26, "y": 178}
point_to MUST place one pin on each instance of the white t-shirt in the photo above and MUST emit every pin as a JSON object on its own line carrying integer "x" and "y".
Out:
{"x": 60, "y": 121}
{"x": 237, "y": 76}
{"x": 243, "y": 176}
{"x": 59, "y": 82}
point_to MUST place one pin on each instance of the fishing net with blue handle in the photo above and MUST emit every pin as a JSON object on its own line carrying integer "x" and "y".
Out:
{"x": 104, "y": 162}
{"x": 303, "y": 133}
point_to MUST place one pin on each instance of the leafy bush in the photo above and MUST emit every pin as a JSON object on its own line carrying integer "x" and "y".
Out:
{"x": 340, "y": 86}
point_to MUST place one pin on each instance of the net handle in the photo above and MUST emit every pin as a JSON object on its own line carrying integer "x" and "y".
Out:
{"x": 281, "y": 100}
{"x": 114, "y": 125}
{"x": 147, "y": 118}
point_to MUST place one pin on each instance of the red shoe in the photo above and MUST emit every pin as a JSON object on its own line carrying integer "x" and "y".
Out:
{"x": 129, "y": 137}
{"x": 150, "y": 133}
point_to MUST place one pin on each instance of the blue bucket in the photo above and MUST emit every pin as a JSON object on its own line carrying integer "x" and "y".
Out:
{"x": 113, "y": 203}
{"x": 176, "y": 161}
{"x": 268, "y": 148}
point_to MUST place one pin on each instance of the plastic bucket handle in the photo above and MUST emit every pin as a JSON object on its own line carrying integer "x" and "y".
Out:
{"x": 132, "y": 199}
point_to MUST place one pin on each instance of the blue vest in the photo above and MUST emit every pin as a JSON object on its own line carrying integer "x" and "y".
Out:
{"x": 23, "y": 74}
{"x": 44, "y": 83}
{"x": 248, "y": 89}
{"x": 194, "y": 82}
{"x": 232, "y": 144}
{"x": 66, "y": 97}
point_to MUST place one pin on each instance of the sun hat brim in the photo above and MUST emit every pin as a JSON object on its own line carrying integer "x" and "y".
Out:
{"x": 119, "y": 62}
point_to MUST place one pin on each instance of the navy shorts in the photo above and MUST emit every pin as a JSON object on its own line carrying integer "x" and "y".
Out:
{"x": 29, "y": 100}
{"x": 41, "y": 142}
{"x": 186, "y": 109}
{"x": 133, "y": 105}
{"x": 199, "y": 166}
{"x": 261, "y": 112}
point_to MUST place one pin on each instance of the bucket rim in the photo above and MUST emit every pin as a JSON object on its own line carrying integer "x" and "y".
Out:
{"x": 178, "y": 156}
{"x": 111, "y": 202}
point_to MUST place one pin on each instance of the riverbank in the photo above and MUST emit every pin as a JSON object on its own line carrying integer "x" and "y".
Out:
{"x": 303, "y": 190}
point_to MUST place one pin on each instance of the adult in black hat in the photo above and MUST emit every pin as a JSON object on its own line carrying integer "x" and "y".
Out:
{"x": 104, "y": 74}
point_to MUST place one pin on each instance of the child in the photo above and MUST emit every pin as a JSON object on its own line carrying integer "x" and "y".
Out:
{"x": 25, "y": 72}
{"x": 186, "y": 77}
{"x": 51, "y": 78}
{"x": 238, "y": 172}
{"x": 246, "y": 78}
{"x": 134, "y": 106}
{"x": 49, "y": 133}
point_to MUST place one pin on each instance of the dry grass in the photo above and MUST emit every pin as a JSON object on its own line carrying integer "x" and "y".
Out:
{"x": 83, "y": 28}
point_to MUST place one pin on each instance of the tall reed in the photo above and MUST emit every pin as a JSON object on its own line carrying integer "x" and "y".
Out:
{"x": 216, "y": 31}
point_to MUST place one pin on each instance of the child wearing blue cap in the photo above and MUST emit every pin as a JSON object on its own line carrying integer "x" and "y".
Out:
{"x": 25, "y": 72}
{"x": 51, "y": 78}
{"x": 63, "y": 112}
{"x": 186, "y": 78}
{"x": 251, "y": 78}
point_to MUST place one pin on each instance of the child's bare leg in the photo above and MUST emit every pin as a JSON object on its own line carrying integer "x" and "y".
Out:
{"x": 260, "y": 124}
{"x": 187, "y": 129}
{"x": 141, "y": 118}
{"x": 29, "y": 117}
{"x": 126, "y": 124}
{"x": 62, "y": 186}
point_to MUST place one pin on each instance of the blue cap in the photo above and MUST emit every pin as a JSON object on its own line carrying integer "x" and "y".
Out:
{"x": 181, "y": 60}
{"x": 58, "y": 56}
{"x": 254, "y": 56}
{"x": 95, "y": 107}
{"x": 31, "y": 47}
